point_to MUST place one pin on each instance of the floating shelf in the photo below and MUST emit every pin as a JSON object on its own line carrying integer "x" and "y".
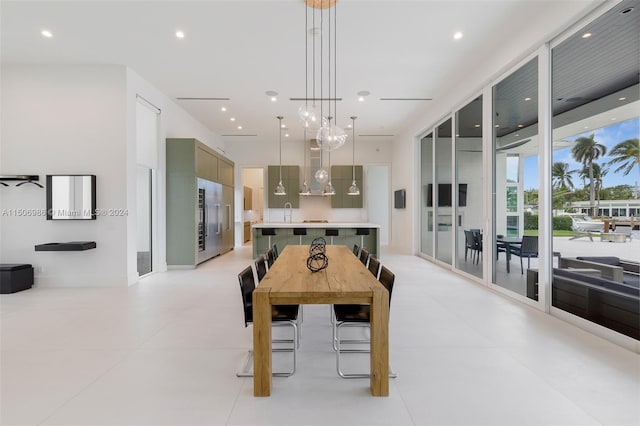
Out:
{"x": 70, "y": 246}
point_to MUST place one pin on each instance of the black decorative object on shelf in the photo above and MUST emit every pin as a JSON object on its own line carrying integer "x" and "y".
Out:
{"x": 317, "y": 260}
{"x": 70, "y": 246}
{"x": 22, "y": 178}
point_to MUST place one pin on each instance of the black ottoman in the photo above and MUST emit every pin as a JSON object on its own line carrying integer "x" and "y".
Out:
{"x": 15, "y": 277}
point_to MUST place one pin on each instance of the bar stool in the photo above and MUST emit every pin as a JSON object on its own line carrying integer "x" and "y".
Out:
{"x": 331, "y": 232}
{"x": 268, "y": 232}
{"x": 300, "y": 232}
{"x": 362, "y": 232}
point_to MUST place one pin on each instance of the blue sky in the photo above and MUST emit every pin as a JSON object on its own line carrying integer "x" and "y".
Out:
{"x": 609, "y": 136}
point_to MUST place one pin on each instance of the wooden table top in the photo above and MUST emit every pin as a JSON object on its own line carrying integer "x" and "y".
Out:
{"x": 345, "y": 280}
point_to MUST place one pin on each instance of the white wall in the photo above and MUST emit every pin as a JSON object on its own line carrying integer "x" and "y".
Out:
{"x": 65, "y": 120}
{"x": 80, "y": 119}
{"x": 175, "y": 122}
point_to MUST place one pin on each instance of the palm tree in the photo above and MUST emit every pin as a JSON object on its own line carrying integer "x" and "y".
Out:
{"x": 585, "y": 151}
{"x": 561, "y": 176}
{"x": 598, "y": 174}
{"x": 627, "y": 155}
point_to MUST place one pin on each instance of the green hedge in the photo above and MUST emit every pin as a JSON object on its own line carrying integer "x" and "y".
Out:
{"x": 560, "y": 223}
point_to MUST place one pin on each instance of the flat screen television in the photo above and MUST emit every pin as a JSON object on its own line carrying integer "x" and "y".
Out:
{"x": 445, "y": 196}
{"x": 400, "y": 199}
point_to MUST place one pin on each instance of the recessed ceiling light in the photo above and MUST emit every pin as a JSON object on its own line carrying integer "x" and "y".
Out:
{"x": 497, "y": 125}
{"x": 613, "y": 119}
{"x": 586, "y": 127}
{"x": 521, "y": 125}
{"x": 477, "y": 125}
{"x": 223, "y": 109}
{"x": 626, "y": 10}
{"x": 239, "y": 127}
{"x": 232, "y": 119}
{"x": 586, "y": 35}
{"x": 272, "y": 94}
{"x": 349, "y": 126}
{"x": 527, "y": 98}
{"x": 286, "y": 135}
{"x": 283, "y": 125}
{"x": 457, "y": 36}
{"x": 360, "y": 98}
{"x": 179, "y": 34}
{"x": 46, "y": 33}
{"x": 517, "y": 134}
{"x": 622, "y": 98}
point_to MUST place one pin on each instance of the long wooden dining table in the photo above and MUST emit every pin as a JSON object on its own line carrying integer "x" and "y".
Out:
{"x": 344, "y": 281}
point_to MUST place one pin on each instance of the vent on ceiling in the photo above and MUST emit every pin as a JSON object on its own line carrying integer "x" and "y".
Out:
{"x": 406, "y": 99}
{"x": 203, "y": 99}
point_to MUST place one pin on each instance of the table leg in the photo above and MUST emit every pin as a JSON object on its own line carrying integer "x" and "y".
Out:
{"x": 508, "y": 253}
{"x": 380, "y": 343}
{"x": 261, "y": 342}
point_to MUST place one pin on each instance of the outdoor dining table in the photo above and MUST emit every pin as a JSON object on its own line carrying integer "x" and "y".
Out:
{"x": 344, "y": 281}
{"x": 506, "y": 243}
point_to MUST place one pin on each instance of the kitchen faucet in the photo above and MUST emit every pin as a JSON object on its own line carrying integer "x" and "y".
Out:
{"x": 288, "y": 204}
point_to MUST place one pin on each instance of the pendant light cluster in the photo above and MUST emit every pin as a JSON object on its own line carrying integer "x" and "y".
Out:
{"x": 329, "y": 135}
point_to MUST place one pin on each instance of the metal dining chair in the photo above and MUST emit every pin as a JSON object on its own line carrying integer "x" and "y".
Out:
{"x": 281, "y": 315}
{"x": 374, "y": 266}
{"x": 357, "y": 316}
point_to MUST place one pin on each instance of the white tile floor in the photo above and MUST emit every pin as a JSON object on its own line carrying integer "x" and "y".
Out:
{"x": 166, "y": 351}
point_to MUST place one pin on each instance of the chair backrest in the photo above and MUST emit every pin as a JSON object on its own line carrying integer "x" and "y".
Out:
{"x": 261, "y": 267}
{"x": 270, "y": 257}
{"x": 275, "y": 252}
{"x": 387, "y": 278}
{"x": 374, "y": 266}
{"x": 469, "y": 239}
{"x": 356, "y": 250}
{"x": 529, "y": 244}
{"x": 364, "y": 256}
{"x": 247, "y": 285}
{"x": 477, "y": 237}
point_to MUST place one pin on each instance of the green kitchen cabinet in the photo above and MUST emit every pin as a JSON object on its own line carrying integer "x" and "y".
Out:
{"x": 341, "y": 178}
{"x": 291, "y": 182}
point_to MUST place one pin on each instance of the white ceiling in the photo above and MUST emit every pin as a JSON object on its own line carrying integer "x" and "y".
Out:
{"x": 241, "y": 49}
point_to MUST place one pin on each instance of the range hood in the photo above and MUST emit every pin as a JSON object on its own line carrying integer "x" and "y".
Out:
{"x": 309, "y": 170}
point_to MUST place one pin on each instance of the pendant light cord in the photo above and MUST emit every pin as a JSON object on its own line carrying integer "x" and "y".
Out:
{"x": 306, "y": 57}
{"x": 280, "y": 127}
{"x": 353, "y": 156}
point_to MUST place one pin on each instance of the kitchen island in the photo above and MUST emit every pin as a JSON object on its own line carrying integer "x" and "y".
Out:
{"x": 267, "y": 234}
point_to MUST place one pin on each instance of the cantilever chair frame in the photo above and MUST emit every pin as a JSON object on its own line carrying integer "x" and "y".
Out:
{"x": 387, "y": 279}
{"x": 246, "y": 371}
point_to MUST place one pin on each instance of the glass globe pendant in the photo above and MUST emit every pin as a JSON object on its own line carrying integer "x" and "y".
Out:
{"x": 307, "y": 116}
{"x": 331, "y": 137}
{"x": 322, "y": 176}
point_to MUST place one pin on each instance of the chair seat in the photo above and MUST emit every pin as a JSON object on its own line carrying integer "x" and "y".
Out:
{"x": 352, "y": 313}
{"x": 278, "y": 312}
{"x": 284, "y": 312}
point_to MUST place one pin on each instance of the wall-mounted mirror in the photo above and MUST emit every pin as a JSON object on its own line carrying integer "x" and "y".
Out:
{"x": 71, "y": 197}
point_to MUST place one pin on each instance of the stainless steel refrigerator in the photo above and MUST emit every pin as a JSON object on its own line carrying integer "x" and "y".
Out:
{"x": 210, "y": 219}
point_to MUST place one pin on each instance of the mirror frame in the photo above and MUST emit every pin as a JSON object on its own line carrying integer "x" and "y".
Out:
{"x": 50, "y": 198}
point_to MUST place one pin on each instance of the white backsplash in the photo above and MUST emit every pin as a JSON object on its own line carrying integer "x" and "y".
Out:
{"x": 317, "y": 208}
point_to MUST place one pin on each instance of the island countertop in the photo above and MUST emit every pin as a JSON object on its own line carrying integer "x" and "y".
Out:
{"x": 318, "y": 225}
